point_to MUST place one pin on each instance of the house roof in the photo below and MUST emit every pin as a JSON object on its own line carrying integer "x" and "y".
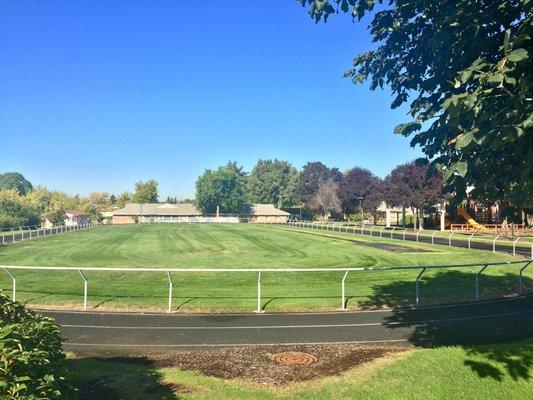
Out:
{"x": 76, "y": 213}
{"x": 266, "y": 210}
{"x": 184, "y": 209}
{"x": 189, "y": 209}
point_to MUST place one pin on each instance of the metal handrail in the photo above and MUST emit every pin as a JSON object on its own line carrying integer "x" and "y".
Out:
{"x": 9, "y": 269}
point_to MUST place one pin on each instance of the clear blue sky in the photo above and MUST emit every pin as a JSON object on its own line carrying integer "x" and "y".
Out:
{"x": 97, "y": 95}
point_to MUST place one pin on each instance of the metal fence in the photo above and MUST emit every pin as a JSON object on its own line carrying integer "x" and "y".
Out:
{"x": 517, "y": 246}
{"x": 21, "y": 233}
{"x": 11, "y": 271}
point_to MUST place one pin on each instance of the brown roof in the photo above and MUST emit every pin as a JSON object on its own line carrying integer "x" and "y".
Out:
{"x": 76, "y": 213}
{"x": 185, "y": 209}
{"x": 266, "y": 210}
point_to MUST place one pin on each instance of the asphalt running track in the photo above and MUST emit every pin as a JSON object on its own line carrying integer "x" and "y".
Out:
{"x": 467, "y": 323}
{"x": 457, "y": 241}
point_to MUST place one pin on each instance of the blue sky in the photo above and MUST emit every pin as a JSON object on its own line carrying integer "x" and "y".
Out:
{"x": 97, "y": 95}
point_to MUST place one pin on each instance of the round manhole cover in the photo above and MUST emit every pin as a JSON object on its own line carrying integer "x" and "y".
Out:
{"x": 295, "y": 358}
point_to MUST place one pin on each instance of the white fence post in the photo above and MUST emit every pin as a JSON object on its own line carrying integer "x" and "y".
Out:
{"x": 381, "y": 231}
{"x": 433, "y": 237}
{"x": 494, "y": 243}
{"x": 450, "y": 239}
{"x": 259, "y": 310}
{"x": 14, "y": 280}
{"x": 343, "y": 294}
{"x": 169, "y": 310}
{"x": 477, "y": 280}
{"x": 85, "y": 287}
{"x": 469, "y": 239}
{"x": 514, "y": 245}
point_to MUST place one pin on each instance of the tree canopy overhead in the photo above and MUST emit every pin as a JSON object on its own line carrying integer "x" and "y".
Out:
{"x": 464, "y": 67}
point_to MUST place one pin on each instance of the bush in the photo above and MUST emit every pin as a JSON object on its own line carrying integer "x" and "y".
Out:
{"x": 31, "y": 357}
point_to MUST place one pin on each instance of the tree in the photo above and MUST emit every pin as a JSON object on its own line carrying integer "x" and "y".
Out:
{"x": 223, "y": 187}
{"x": 411, "y": 185}
{"x": 145, "y": 192}
{"x": 312, "y": 175}
{"x": 15, "y": 180}
{"x": 122, "y": 199}
{"x": 99, "y": 200}
{"x": 112, "y": 199}
{"x": 273, "y": 182}
{"x": 465, "y": 68}
{"x": 326, "y": 200}
{"x": 360, "y": 186}
{"x": 13, "y": 212}
{"x": 56, "y": 218}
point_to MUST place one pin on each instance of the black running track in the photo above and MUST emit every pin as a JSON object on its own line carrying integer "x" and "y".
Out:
{"x": 411, "y": 236}
{"x": 466, "y": 323}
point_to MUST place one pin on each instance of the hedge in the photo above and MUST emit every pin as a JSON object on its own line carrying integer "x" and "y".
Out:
{"x": 31, "y": 357}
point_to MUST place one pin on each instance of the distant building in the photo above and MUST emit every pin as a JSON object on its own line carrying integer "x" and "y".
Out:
{"x": 72, "y": 218}
{"x": 267, "y": 214}
{"x": 187, "y": 212}
{"x": 146, "y": 213}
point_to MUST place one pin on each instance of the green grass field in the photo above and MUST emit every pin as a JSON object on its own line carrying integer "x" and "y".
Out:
{"x": 497, "y": 371}
{"x": 243, "y": 245}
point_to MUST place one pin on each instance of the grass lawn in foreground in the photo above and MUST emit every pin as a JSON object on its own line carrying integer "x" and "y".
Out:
{"x": 497, "y": 371}
{"x": 242, "y": 245}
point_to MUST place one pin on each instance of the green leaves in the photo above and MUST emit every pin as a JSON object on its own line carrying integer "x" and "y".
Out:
{"x": 517, "y": 55}
{"x": 407, "y": 129}
{"x": 465, "y": 139}
{"x": 31, "y": 357}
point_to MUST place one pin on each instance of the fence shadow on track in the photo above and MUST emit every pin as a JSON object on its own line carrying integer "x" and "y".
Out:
{"x": 510, "y": 320}
{"x": 123, "y": 378}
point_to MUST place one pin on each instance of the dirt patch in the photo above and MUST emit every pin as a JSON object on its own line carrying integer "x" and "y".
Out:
{"x": 258, "y": 364}
{"x": 394, "y": 248}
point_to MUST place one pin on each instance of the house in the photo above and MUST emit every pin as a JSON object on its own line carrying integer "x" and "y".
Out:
{"x": 76, "y": 218}
{"x": 146, "y": 213}
{"x": 72, "y": 218}
{"x": 187, "y": 212}
{"x": 267, "y": 214}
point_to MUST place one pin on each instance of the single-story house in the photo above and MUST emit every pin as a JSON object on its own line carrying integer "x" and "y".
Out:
{"x": 187, "y": 212}
{"x": 72, "y": 218}
{"x": 267, "y": 214}
{"x": 146, "y": 213}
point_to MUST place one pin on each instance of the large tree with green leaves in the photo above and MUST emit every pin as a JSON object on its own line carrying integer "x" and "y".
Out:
{"x": 360, "y": 187}
{"x": 464, "y": 67}
{"x": 15, "y": 180}
{"x": 224, "y": 187}
{"x": 14, "y": 212}
{"x": 314, "y": 173}
{"x": 273, "y": 182}
{"x": 146, "y": 192}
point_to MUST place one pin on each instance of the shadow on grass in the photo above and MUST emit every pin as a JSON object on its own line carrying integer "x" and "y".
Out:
{"x": 477, "y": 327}
{"x": 121, "y": 378}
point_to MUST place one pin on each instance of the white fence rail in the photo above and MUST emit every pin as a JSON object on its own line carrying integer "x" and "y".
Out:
{"x": 11, "y": 271}
{"x": 25, "y": 233}
{"x": 450, "y": 239}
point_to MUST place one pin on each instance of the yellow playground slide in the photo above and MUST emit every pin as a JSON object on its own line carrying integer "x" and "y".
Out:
{"x": 471, "y": 221}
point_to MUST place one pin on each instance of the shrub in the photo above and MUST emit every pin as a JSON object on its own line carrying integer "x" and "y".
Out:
{"x": 31, "y": 356}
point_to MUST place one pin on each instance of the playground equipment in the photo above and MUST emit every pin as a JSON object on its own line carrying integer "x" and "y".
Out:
{"x": 473, "y": 226}
{"x": 471, "y": 221}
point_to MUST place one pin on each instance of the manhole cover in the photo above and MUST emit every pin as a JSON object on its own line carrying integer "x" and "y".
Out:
{"x": 295, "y": 358}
